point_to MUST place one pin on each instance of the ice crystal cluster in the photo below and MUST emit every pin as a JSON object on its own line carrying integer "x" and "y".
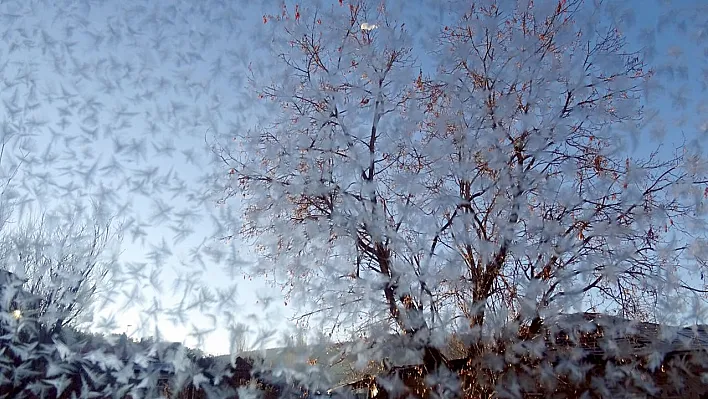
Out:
{"x": 436, "y": 198}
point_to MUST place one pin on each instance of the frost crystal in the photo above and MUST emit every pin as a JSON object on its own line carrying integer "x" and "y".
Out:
{"x": 276, "y": 199}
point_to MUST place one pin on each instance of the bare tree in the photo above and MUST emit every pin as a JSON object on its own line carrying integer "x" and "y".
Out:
{"x": 239, "y": 339}
{"x": 66, "y": 262}
{"x": 497, "y": 187}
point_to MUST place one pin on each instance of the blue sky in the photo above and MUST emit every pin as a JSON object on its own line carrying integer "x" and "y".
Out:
{"x": 146, "y": 83}
{"x": 126, "y": 102}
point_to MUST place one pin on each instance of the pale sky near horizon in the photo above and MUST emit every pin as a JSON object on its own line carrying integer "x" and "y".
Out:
{"x": 165, "y": 83}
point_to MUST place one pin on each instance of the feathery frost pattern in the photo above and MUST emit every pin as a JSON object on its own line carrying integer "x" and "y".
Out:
{"x": 356, "y": 198}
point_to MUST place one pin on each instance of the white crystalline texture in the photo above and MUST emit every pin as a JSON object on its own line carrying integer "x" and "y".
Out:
{"x": 453, "y": 199}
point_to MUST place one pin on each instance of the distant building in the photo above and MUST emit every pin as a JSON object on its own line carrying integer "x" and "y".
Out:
{"x": 613, "y": 352}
